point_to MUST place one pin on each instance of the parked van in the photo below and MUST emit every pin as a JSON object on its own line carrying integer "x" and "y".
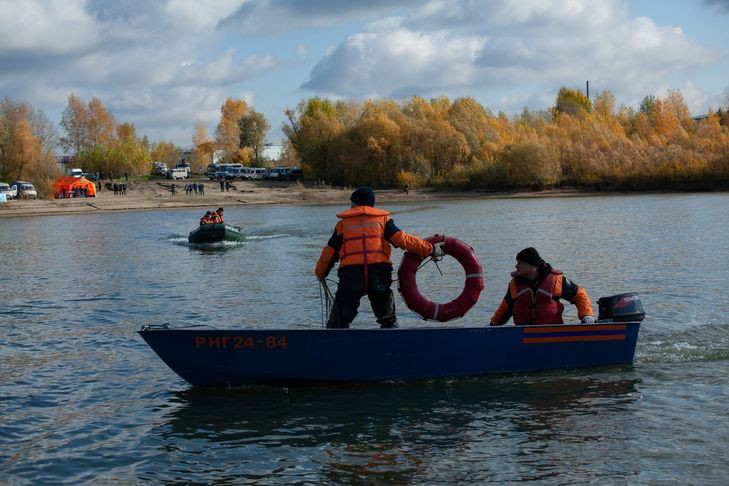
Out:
{"x": 9, "y": 193}
{"x": 159, "y": 168}
{"x": 223, "y": 169}
{"x": 210, "y": 171}
{"x": 75, "y": 172}
{"x": 255, "y": 173}
{"x": 177, "y": 173}
{"x": 24, "y": 190}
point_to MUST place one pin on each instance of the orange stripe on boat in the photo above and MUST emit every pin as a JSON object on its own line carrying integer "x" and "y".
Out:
{"x": 563, "y": 328}
{"x": 567, "y": 339}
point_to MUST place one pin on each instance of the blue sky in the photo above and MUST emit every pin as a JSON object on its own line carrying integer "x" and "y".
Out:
{"x": 165, "y": 64}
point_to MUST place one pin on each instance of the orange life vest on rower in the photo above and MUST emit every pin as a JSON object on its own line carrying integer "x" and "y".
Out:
{"x": 363, "y": 231}
{"x": 205, "y": 220}
{"x": 216, "y": 218}
{"x": 537, "y": 306}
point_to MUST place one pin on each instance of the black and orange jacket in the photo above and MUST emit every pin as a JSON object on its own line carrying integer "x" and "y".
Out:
{"x": 363, "y": 237}
{"x": 538, "y": 302}
{"x": 216, "y": 217}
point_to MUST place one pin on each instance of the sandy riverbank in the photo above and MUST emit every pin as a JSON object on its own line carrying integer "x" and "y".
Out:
{"x": 156, "y": 194}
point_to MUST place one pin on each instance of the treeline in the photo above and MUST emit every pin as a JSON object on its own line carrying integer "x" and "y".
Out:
{"x": 439, "y": 142}
{"x": 97, "y": 142}
{"x": 578, "y": 143}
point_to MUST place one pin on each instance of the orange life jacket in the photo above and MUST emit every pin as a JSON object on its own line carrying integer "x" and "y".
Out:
{"x": 363, "y": 232}
{"x": 205, "y": 220}
{"x": 216, "y": 218}
{"x": 537, "y": 306}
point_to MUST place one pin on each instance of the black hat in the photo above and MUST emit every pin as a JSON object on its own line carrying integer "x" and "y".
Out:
{"x": 530, "y": 256}
{"x": 220, "y": 209}
{"x": 363, "y": 196}
{"x": 208, "y": 213}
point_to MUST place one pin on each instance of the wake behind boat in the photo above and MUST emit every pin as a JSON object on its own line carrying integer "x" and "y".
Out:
{"x": 211, "y": 233}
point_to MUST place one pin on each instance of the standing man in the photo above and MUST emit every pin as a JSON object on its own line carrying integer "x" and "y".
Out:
{"x": 534, "y": 292}
{"x": 361, "y": 242}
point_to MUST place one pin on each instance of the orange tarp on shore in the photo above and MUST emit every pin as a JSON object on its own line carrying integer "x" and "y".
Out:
{"x": 67, "y": 186}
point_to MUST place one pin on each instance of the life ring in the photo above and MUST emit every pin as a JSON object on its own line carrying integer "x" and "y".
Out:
{"x": 454, "y": 309}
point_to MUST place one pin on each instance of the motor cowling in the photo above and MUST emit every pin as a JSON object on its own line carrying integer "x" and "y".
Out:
{"x": 621, "y": 308}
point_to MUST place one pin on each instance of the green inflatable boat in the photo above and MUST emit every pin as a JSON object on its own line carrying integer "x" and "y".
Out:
{"x": 210, "y": 233}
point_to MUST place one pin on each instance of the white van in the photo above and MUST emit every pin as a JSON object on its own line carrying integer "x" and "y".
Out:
{"x": 177, "y": 173}
{"x": 23, "y": 190}
{"x": 75, "y": 172}
{"x": 9, "y": 193}
{"x": 255, "y": 173}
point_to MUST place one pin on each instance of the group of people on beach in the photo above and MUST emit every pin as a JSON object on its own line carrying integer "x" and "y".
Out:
{"x": 195, "y": 188}
{"x": 212, "y": 217}
{"x": 361, "y": 243}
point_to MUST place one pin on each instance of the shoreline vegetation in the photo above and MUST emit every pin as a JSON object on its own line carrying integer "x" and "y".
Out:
{"x": 143, "y": 194}
{"x": 580, "y": 145}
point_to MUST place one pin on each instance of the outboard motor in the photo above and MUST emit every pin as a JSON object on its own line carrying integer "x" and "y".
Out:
{"x": 621, "y": 308}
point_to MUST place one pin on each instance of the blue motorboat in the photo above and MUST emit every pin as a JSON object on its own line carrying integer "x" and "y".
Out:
{"x": 211, "y": 357}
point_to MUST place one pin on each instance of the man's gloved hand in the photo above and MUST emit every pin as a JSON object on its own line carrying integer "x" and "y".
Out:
{"x": 438, "y": 251}
{"x": 588, "y": 320}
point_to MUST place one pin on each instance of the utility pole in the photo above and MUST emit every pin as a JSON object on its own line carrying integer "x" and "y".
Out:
{"x": 587, "y": 84}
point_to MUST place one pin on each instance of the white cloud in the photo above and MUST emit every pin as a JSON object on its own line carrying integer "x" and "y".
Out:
{"x": 57, "y": 27}
{"x": 487, "y": 48}
{"x": 390, "y": 60}
{"x": 162, "y": 64}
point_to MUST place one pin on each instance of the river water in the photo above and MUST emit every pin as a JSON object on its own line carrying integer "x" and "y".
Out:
{"x": 83, "y": 400}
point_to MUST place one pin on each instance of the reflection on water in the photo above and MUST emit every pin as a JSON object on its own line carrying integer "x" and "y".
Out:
{"x": 391, "y": 431}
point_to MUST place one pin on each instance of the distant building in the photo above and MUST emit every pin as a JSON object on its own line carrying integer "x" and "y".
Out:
{"x": 272, "y": 152}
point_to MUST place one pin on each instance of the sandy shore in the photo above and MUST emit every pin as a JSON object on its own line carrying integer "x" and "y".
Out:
{"x": 156, "y": 194}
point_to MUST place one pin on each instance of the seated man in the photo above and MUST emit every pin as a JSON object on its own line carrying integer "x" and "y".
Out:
{"x": 217, "y": 216}
{"x": 206, "y": 219}
{"x": 534, "y": 292}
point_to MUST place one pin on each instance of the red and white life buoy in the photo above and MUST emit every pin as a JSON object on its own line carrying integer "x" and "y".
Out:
{"x": 454, "y": 309}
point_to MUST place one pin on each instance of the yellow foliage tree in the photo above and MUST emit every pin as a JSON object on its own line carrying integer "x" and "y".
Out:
{"x": 227, "y": 133}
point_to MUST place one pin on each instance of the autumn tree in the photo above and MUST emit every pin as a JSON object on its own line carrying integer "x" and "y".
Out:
{"x": 27, "y": 141}
{"x": 227, "y": 133}
{"x": 102, "y": 126}
{"x": 253, "y": 129}
{"x": 202, "y": 148}
{"x": 166, "y": 152}
{"x": 571, "y": 102}
{"x": 76, "y": 122}
{"x": 86, "y": 126}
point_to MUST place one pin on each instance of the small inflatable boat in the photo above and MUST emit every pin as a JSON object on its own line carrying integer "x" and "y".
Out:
{"x": 210, "y": 233}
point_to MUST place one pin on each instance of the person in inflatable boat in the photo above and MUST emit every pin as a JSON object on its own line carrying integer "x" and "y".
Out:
{"x": 361, "y": 243}
{"x": 534, "y": 294}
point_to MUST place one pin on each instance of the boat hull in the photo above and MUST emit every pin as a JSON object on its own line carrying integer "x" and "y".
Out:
{"x": 210, "y": 233}
{"x": 209, "y": 357}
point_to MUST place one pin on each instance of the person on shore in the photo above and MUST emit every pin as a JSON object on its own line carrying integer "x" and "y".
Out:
{"x": 173, "y": 188}
{"x": 207, "y": 219}
{"x": 217, "y": 216}
{"x": 534, "y": 292}
{"x": 222, "y": 185}
{"x": 361, "y": 243}
{"x": 201, "y": 188}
